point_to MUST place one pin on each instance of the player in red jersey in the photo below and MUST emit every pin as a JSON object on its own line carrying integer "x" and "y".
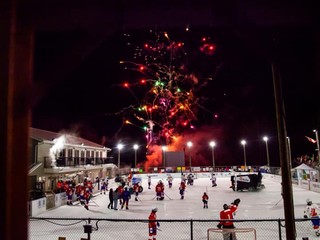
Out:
{"x": 227, "y": 215}
{"x": 205, "y": 199}
{"x": 160, "y": 190}
{"x": 153, "y": 224}
{"x": 182, "y": 188}
{"x": 87, "y": 196}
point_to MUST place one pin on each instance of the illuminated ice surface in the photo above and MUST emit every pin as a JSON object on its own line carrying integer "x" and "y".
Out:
{"x": 264, "y": 204}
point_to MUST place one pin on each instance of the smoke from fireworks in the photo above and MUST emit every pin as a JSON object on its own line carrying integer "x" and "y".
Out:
{"x": 56, "y": 149}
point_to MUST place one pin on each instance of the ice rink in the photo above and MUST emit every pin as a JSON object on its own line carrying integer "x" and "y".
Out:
{"x": 263, "y": 204}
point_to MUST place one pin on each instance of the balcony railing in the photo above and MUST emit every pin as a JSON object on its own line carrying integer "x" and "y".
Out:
{"x": 75, "y": 161}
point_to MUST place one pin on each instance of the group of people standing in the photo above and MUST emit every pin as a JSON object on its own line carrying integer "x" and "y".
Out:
{"x": 120, "y": 194}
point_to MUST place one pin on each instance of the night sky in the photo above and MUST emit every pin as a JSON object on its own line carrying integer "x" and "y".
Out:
{"x": 86, "y": 99}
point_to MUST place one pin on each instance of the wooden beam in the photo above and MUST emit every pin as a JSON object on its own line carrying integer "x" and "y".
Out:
{"x": 16, "y": 47}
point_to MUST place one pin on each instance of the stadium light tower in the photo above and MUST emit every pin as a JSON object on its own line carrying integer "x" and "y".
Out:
{"x": 243, "y": 142}
{"x": 212, "y": 145}
{"x": 135, "y": 147}
{"x": 265, "y": 138}
{"x": 120, "y": 146}
{"x": 189, "y": 144}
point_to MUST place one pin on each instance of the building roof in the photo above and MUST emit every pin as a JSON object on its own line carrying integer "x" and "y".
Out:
{"x": 44, "y": 135}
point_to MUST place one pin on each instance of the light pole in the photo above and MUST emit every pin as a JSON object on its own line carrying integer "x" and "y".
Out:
{"x": 212, "y": 145}
{"x": 243, "y": 142}
{"x": 164, "y": 148}
{"x": 120, "y": 146}
{"x": 135, "y": 147}
{"x": 318, "y": 148}
{"x": 189, "y": 144}
{"x": 265, "y": 138}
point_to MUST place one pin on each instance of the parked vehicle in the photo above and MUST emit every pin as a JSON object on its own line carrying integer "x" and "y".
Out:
{"x": 250, "y": 182}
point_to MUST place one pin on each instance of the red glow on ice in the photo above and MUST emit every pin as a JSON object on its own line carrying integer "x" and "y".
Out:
{"x": 126, "y": 84}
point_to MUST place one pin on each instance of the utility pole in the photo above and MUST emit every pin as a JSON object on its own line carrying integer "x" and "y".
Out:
{"x": 284, "y": 155}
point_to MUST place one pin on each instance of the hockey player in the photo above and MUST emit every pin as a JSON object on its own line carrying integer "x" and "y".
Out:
{"x": 170, "y": 179}
{"x": 149, "y": 182}
{"x": 153, "y": 224}
{"x": 190, "y": 179}
{"x": 89, "y": 185}
{"x": 81, "y": 194}
{"x": 126, "y": 195}
{"x": 87, "y": 197}
{"x": 213, "y": 180}
{"x": 107, "y": 184}
{"x": 312, "y": 211}
{"x": 103, "y": 187}
{"x": 136, "y": 187}
{"x": 69, "y": 192}
{"x": 77, "y": 191}
{"x": 120, "y": 192}
{"x": 183, "y": 178}
{"x": 160, "y": 190}
{"x": 205, "y": 199}
{"x": 227, "y": 215}
{"x": 233, "y": 183}
{"x": 129, "y": 178}
{"x": 182, "y": 188}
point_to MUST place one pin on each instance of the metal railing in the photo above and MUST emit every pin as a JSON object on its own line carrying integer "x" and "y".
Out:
{"x": 136, "y": 229}
{"x": 75, "y": 161}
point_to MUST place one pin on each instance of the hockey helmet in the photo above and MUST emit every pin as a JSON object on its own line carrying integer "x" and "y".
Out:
{"x": 154, "y": 209}
{"x": 225, "y": 206}
{"x": 309, "y": 202}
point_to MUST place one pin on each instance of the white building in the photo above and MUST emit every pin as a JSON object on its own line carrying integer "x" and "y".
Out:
{"x": 62, "y": 156}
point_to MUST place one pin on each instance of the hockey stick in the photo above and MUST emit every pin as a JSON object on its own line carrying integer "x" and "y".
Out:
{"x": 95, "y": 203}
{"x": 167, "y": 196}
{"x": 278, "y": 202}
{"x": 139, "y": 199}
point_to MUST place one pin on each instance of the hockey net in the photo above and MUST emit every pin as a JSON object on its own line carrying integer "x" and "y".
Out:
{"x": 231, "y": 234}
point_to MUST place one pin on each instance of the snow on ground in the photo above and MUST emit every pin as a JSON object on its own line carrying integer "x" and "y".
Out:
{"x": 264, "y": 204}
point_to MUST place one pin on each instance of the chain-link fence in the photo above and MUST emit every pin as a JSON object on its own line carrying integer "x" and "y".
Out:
{"x": 120, "y": 229}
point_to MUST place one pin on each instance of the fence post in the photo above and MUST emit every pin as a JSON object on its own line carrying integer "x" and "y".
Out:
{"x": 191, "y": 229}
{"x": 279, "y": 227}
{"x": 88, "y": 228}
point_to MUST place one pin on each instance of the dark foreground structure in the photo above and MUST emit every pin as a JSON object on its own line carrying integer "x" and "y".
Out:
{"x": 20, "y": 21}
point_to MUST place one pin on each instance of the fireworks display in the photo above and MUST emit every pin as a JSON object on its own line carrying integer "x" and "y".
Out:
{"x": 166, "y": 91}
